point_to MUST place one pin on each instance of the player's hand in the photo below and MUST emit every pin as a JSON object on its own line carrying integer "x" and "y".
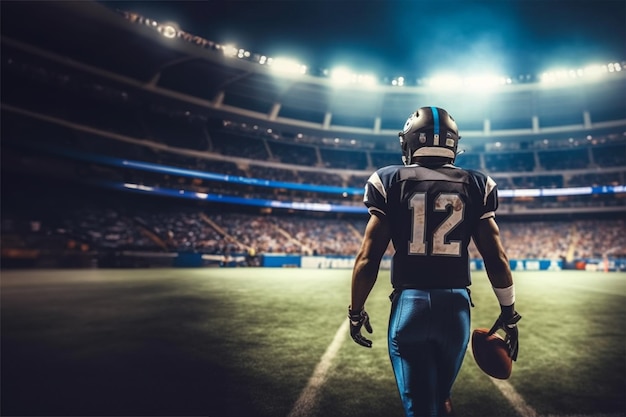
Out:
{"x": 508, "y": 322}
{"x": 359, "y": 319}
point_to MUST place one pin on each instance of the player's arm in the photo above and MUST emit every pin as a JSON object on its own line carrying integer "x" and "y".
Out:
{"x": 488, "y": 243}
{"x": 364, "y": 274}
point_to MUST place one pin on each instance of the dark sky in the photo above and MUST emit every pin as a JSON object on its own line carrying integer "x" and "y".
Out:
{"x": 416, "y": 37}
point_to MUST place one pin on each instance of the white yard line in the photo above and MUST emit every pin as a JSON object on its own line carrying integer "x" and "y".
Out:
{"x": 308, "y": 397}
{"x": 525, "y": 410}
{"x": 514, "y": 398}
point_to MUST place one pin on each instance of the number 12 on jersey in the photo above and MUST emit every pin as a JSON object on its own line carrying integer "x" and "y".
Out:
{"x": 440, "y": 245}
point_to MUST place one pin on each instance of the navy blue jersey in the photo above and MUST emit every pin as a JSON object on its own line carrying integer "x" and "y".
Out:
{"x": 433, "y": 213}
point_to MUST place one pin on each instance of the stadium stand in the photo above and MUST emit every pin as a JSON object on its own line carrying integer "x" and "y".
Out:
{"x": 76, "y": 125}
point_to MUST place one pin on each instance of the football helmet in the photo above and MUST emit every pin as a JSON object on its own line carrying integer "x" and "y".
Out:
{"x": 429, "y": 131}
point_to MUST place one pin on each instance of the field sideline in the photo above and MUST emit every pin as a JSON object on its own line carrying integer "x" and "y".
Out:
{"x": 273, "y": 342}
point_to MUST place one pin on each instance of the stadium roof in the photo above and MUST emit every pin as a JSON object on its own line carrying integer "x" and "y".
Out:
{"x": 99, "y": 41}
{"x": 414, "y": 37}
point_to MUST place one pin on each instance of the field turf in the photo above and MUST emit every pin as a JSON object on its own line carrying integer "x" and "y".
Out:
{"x": 246, "y": 342}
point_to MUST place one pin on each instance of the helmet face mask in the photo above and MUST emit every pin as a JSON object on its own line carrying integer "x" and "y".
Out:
{"x": 429, "y": 131}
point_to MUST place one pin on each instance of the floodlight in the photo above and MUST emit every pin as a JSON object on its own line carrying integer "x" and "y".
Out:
{"x": 344, "y": 76}
{"x": 398, "y": 81}
{"x": 168, "y": 30}
{"x": 447, "y": 81}
{"x": 366, "y": 79}
{"x": 594, "y": 70}
{"x": 341, "y": 75}
{"x": 484, "y": 83}
{"x": 614, "y": 67}
{"x": 286, "y": 65}
{"x": 230, "y": 50}
{"x": 589, "y": 72}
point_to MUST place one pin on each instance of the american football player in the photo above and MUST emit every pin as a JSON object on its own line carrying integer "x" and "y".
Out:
{"x": 430, "y": 209}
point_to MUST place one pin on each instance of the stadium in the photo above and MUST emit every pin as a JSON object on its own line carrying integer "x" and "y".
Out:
{"x": 180, "y": 218}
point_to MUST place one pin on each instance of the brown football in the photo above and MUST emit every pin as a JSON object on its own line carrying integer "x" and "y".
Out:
{"x": 491, "y": 354}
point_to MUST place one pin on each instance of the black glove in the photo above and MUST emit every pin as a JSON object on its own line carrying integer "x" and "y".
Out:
{"x": 508, "y": 322}
{"x": 359, "y": 319}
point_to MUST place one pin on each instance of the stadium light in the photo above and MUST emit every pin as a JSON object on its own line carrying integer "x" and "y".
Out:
{"x": 398, "y": 82}
{"x": 590, "y": 72}
{"x": 286, "y": 65}
{"x": 366, "y": 79}
{"x": 594, "y": 70}
{"x": 485, "y": 83}
{"x": 343, "y": 76}
{"x": 614, "y": 67}
{"x": 445, "y": 81}
{"x": 230, "y": 50}
{"x": 242, "y": 53}
{"x": 169, "y": 30}
{"x": 478, "y": 83}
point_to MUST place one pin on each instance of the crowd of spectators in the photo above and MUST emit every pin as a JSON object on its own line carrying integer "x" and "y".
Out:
{"x": 539, "y": 239}
{"x": 104, "y": 229}
{"x": 594, "y": 239}
{"x": 198, "y": 230}
{"x": 107, "y": 121}
{"x": 181, "y": 231}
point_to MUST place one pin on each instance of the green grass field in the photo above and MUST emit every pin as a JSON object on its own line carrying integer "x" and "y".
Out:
{"x": 245, "y": 342}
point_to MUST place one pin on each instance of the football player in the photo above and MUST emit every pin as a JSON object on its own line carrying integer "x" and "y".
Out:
{"x": 430, "y": 209}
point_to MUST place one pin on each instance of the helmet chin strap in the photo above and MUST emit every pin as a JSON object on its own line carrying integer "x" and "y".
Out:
{"x": 407, "y": 157}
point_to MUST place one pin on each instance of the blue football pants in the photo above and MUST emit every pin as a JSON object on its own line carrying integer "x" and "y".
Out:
{"x": 428, "y": 336}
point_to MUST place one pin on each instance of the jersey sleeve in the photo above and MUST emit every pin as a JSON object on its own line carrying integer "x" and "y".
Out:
{"x": 490, "y": 198}
{"x": 486, "y": 194}
{"x": 375, "y": 196}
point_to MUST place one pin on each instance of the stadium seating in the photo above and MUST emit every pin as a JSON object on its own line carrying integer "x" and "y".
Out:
{"x": 79, "y": 128}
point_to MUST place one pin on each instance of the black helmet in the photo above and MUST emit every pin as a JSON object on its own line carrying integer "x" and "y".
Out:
{"x": 430, "y": 131}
